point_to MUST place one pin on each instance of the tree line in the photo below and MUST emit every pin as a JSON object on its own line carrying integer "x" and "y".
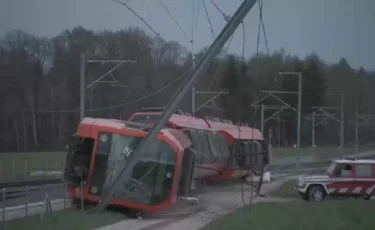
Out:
{"x": 40, "y": 85}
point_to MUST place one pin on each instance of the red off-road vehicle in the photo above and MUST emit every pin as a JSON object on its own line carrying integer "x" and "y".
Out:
{"x": 345, "y": 177}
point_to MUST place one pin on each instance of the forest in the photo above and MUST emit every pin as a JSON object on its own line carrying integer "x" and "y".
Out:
{"x": 40, "y": 86}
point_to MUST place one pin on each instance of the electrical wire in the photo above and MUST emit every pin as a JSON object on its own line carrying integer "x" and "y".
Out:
{"x": 138, "y": 16}
{"x": 209, "y": 20}
{"x": 263, "y": 26}
{"x": 260, "y": 181}
{"x": 197, "y": 16}
{"x": 114, "y": 106}
{"x": 175, "y": 20}
{"x": 218, "y": 8}
{"x": 8, "y": 27}
{"x": 243, "y": 42}
{"x": 217, "y": 71}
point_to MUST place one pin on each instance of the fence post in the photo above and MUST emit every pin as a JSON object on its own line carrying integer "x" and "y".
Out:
{"x": 81, "y": 195}
{"x": 25, "y": 169}
{"x": 65, "y": 196}
{"x": 47, "y": 166}
{"x": 270, "y": 154}
{"x": 1, "y": 169}
{"x": 12, "y": 169}
{"x": 27, "y": 201}
{"x": 3, "y": 203}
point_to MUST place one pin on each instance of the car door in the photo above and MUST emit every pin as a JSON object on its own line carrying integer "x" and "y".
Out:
{"x": 342, "y": 181}
{"x": 363, "y": 180}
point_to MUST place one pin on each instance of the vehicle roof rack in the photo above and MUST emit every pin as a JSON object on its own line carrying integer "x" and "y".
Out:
{"x": 350, "y": 157}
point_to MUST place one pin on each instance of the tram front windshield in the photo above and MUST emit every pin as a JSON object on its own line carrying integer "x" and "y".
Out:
{"x": 151, "y": 177}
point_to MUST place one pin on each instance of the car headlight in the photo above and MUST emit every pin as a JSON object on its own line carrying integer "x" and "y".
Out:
{"x": 300, "y": 183}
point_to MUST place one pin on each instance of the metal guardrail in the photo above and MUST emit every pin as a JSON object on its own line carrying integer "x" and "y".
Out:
{"x": 37, "y": 197}
{"x": 30, "y": 183}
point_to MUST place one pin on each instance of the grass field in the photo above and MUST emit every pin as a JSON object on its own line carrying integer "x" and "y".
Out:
{"x": 319, "y": 152}
{"x": 18, "y": 166}
{"x": 68, "y": 219}
{"x": 286, "y": 190}
{"x": 298, "y": 214}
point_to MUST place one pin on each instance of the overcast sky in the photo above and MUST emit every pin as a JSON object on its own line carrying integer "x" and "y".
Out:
{"x": 332, "y": 28}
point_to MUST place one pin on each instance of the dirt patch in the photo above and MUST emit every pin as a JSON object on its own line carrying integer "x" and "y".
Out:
{"x": 214, "y": 201}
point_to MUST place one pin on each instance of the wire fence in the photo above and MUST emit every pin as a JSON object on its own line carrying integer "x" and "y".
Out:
{"x": 286, "y": 156}
{"x": 32, "y": 200}
{"x": 31, "y": 166}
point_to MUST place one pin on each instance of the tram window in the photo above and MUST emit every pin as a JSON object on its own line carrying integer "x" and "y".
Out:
{"x": 208, "y": 156}
{"x": 246, "y": 147}
{"x": 214, "y": 145}
{"x": 258, "y": 147}
{"x": 190, "y": 136}
{"x": 224, "y": 145}
{"x": 218, "y": 144}
{"x": 252, "y": 146}
{"x": 198, "y": 145}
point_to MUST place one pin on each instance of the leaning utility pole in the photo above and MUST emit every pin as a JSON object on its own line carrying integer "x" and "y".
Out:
{"x": 125, "y": 174}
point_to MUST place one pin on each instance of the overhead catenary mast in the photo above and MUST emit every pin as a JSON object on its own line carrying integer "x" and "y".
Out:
{"x": 125, "y": 174}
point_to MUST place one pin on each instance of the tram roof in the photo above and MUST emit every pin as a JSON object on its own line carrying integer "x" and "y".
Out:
{"x": 235, "y": 131}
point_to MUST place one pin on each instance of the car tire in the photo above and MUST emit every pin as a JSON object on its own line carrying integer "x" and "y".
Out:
{"x": 317, "y": 194}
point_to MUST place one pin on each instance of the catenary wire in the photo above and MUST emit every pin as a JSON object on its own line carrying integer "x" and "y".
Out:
{"x": 175, "y": 21}
{"x": 142, "y": 19}
{"x": 260, "y": 4}
{"x": 209, "y": 20}
{"x": 114, "y": 106}
{"x": 218, "y": 8}
{"x": 197, "y": 16}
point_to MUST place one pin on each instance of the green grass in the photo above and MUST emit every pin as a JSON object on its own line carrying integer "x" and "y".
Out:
{"x": 296, "y": 215}
{"x": 286, "y": 190}
{"x": 66, "y": 220}
{"x": 18, "y": 166}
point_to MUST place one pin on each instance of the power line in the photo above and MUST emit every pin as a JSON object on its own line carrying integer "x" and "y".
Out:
{"x": 175, "y": 20}
{"x": 259, "y": 26}
{"x": 197, "y": 16}
{"x": 219, "y": 9}
{"x": 138, "y": 16}
{"x": 243, "y": 42}
{"x": 8, "y": 27}
{"x": 260, "y": 4}
{"x": 217, "y": 71}
{"x": 113, "y": 106}
{"x": 208, "y": 19}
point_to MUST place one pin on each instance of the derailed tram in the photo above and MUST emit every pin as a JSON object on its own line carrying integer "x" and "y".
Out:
{"x": 188, "y": 149}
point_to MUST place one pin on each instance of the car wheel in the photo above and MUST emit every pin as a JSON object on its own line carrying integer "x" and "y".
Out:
{"x": 317, "y": 194}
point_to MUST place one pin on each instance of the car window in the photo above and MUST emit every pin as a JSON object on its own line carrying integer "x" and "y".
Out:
{"x": 344, "y": 170}
{"x": 363, "y": 170}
